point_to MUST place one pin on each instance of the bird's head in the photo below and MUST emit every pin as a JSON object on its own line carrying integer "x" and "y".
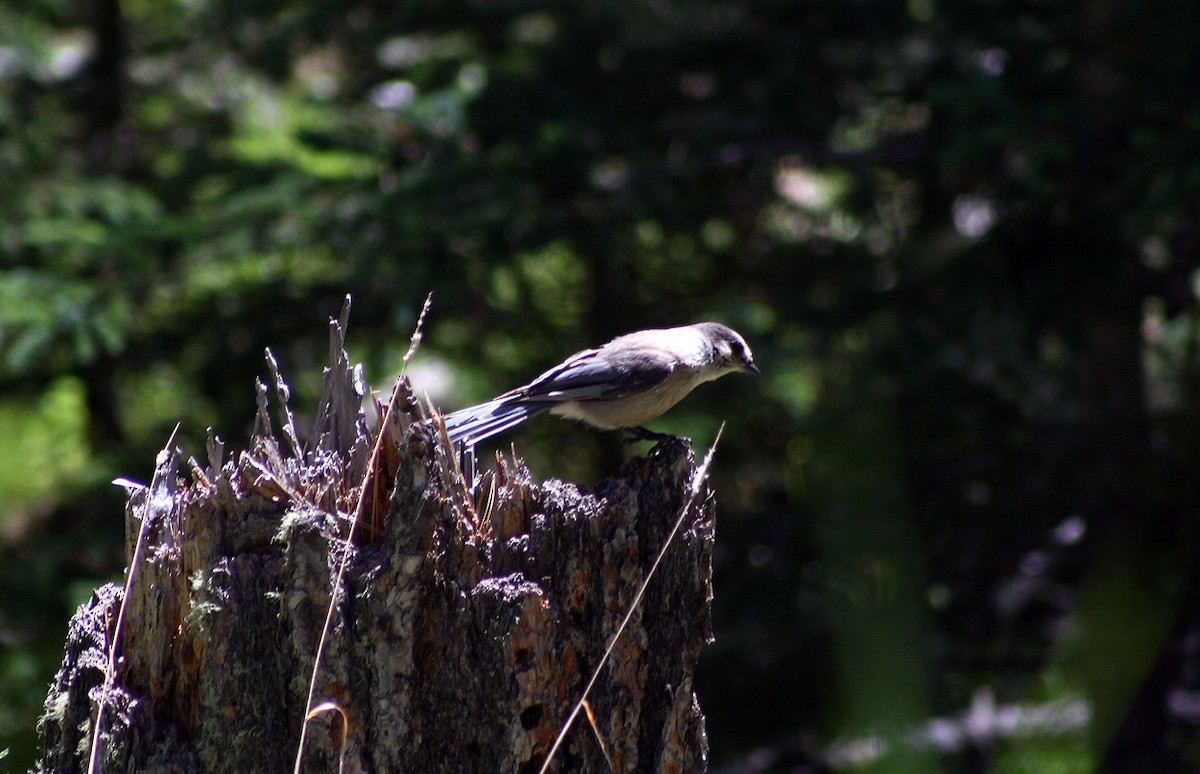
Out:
{"x": 730, "y": 351}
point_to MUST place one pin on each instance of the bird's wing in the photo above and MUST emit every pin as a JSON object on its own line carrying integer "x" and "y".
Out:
{"x": 594, "y": 374}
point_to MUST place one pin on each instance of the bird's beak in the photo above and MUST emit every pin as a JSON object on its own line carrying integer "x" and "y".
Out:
{"x": 751, "y": 368}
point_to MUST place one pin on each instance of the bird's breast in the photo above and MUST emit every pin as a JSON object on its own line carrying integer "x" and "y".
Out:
{"x": 635, "y": 409}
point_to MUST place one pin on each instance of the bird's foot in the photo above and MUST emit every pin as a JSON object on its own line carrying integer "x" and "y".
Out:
{"x": 642, "y": 434}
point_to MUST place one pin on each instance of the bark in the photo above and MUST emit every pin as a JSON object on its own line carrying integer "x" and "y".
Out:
{"x": 466, "y": 625}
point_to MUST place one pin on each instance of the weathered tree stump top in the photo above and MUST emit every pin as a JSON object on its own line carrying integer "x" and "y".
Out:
{"x": 464, "y": 628}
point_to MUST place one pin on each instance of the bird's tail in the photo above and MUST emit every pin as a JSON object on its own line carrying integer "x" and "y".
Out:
{"x": 474, "y": 424}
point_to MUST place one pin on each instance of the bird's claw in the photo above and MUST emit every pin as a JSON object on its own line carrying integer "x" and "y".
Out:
{"x": 642, "y": 434}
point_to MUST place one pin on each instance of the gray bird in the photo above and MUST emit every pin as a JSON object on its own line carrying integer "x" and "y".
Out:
{"x": 623, "y": 384}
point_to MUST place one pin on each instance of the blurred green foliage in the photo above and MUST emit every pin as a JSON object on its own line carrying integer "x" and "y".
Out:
{"x": 962, "y": 239}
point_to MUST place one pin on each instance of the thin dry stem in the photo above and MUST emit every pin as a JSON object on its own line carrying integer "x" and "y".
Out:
{"x": 337, "y": 582}
{"x": 110, "y": 671}
{"x": 331, "y": 706}
{"x": 701, "y": 474}
{"x": 591, "y": 717}
{"x": 418, "y": 332}
{"x": 363, "y": 489}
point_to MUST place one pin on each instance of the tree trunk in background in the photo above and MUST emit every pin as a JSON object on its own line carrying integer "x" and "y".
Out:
{"x": 464, "y": 631}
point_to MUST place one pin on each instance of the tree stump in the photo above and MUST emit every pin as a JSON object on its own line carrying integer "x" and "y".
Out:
{"x": 465, "y": 621}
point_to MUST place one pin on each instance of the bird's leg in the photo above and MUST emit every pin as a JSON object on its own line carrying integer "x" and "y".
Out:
{"x": 642, "y": 434}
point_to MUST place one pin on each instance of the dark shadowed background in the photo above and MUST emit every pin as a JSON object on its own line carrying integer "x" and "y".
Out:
{"x": 958, "y": 513}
